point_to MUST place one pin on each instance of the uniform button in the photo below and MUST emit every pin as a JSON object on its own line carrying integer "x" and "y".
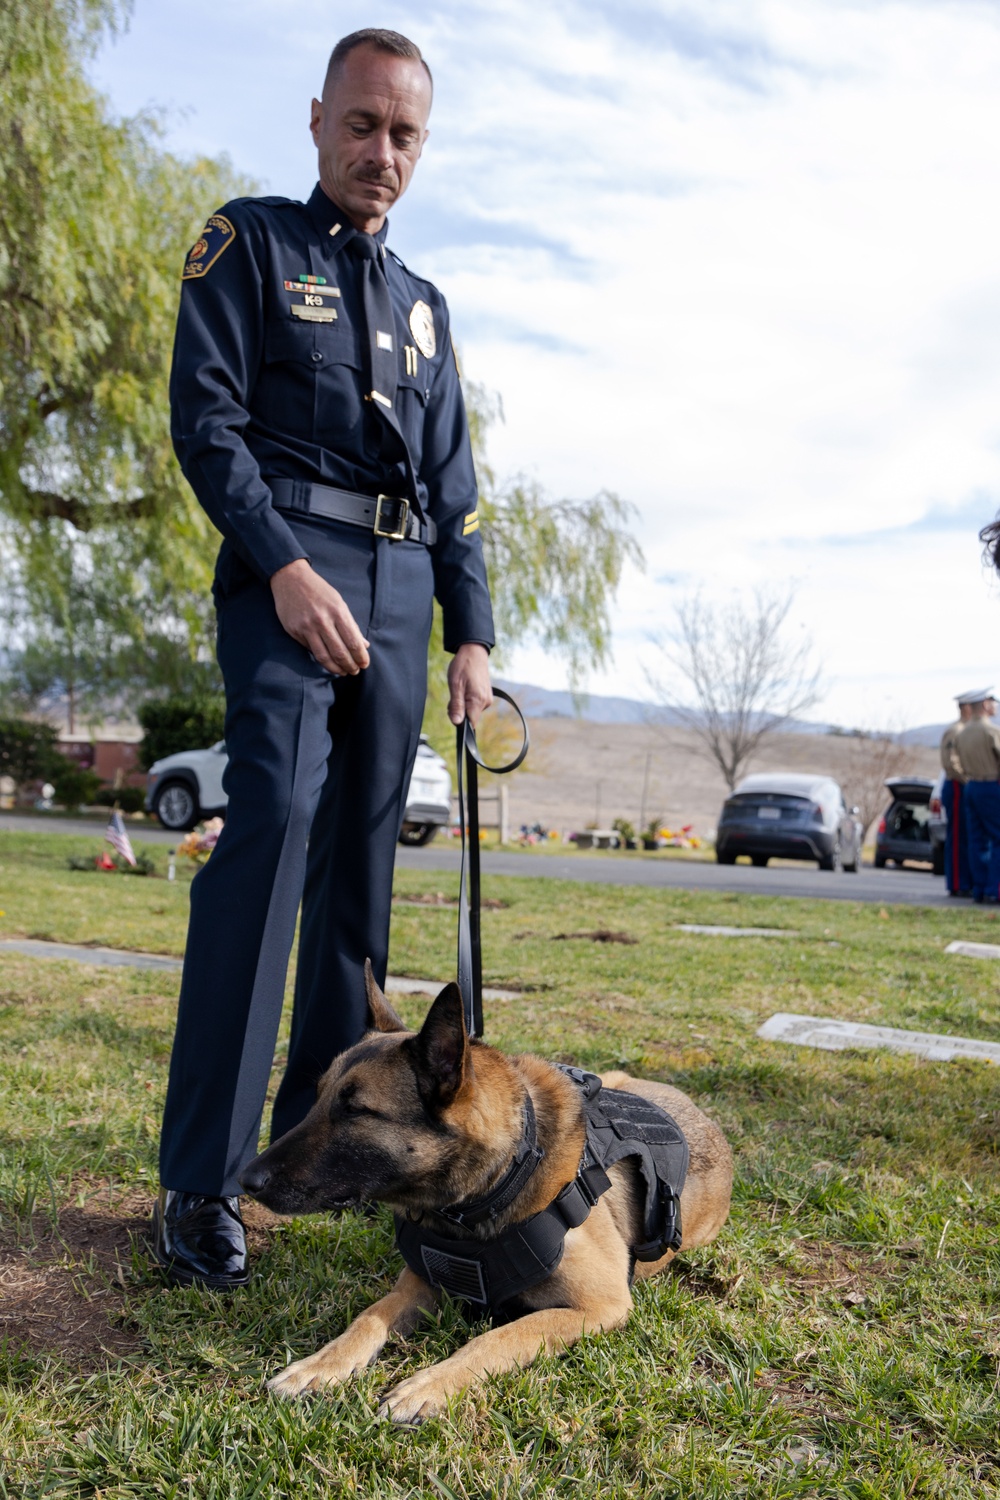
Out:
{"x": 317, "y": 357}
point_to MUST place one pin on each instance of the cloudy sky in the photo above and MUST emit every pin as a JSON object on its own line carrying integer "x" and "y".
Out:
{"x": 736, "y": 262}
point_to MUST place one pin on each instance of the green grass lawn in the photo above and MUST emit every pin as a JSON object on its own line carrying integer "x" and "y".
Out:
{"x": 840, "y": 1338}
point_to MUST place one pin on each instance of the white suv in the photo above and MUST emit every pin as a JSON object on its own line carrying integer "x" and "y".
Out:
{"x": 184, "y": 788}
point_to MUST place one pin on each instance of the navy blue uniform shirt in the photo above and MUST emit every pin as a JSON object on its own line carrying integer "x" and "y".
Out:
{"x": 269, "y": 380}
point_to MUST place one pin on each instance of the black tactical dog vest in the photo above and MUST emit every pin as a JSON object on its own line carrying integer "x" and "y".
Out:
{"x": 488, "y": 1273}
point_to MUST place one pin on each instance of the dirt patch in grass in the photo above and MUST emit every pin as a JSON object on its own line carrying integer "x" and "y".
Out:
{"x": 833, "y": 1269}
{"x": 63, "y": 1290}
{"x": 599, "y": 935}
{"x": 798, "y": 1393}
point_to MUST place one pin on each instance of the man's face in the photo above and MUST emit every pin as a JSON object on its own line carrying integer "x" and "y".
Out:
{"x": 369, "y": 131}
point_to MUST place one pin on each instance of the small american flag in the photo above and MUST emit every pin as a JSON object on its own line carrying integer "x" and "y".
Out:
{"x": 116, "y": 835}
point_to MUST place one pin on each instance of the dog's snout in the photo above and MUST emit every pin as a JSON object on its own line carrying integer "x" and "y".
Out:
{"x": 255, "y": 1178}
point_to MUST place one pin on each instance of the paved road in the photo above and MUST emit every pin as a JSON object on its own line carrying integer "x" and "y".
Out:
{"x": 884, "y": 887}
{"x": 148, "y": 833}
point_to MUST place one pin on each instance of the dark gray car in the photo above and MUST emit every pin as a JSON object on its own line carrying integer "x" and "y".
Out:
{"x": 790, "y": 815}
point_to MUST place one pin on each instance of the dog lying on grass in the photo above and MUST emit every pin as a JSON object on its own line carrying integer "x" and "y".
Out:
{"x": 470, "y": 1148}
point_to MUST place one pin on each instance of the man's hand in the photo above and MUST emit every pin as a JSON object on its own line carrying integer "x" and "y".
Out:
{"x": 469, "y": 683}
{"x": 315, "y": 615}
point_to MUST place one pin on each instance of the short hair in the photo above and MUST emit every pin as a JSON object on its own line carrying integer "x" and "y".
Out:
{"x": 391, "y": 42}
{"x": 990, "y": 538}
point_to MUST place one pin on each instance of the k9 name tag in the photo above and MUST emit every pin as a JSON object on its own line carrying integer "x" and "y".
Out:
{"x": 314, "y": 314}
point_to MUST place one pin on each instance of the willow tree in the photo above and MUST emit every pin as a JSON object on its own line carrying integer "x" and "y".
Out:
{"x": 106, "y": 555}
{"x": 101, "y": 542}
{"x": 554, "y": 566}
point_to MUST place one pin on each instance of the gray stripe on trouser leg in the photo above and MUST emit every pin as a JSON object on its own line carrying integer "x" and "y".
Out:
{"x": 272, "y": 966}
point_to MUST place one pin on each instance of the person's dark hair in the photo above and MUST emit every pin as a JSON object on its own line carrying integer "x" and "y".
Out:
{"x": 990, "y": 538}
{"x": 391, "y": 42}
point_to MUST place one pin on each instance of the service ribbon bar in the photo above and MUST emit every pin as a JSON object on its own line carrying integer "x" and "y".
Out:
{"x": 316, "y": 287}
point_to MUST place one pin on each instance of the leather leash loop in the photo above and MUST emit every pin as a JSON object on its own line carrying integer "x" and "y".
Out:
{"x": 470, "y": 954}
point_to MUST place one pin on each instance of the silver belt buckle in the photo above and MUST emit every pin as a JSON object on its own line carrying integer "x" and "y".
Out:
{"x": 399, "y": 534}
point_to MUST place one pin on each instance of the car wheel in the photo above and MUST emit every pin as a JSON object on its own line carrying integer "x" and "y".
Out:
{"x": 417, "y": 833}
{"x": 880, "y": 861}
{"x": 938, "y": 865}
{"x": 833, "y": 861}
{"x": 724, "y": 859}
{"x": 759, "y": 861}
{"x": 176, "y": 806}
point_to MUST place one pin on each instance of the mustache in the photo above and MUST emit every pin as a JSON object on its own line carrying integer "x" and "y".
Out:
{"x": 381, "y": 179}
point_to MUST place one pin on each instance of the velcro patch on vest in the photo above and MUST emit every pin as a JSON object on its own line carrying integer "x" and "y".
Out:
{"x": 633, "y": 1118}
{"x": 456, "y": 1274}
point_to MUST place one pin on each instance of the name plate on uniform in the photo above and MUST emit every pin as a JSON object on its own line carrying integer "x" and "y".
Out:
{"x": 314, "y": 314}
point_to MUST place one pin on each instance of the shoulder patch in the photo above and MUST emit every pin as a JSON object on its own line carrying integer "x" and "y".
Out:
{"x": 216, "y": 237}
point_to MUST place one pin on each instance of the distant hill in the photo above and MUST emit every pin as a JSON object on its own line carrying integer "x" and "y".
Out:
{"x": 924, "y": 734}
{"x": 548, "y": 703}
{"x": 593, "y": 708}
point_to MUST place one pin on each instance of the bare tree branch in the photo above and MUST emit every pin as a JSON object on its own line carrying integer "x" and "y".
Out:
{"x": 46, "y": 504}
{"x": 745, "y": 677}
{"x": 871, "y": 760}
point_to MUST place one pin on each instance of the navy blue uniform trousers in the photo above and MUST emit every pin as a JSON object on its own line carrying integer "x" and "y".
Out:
{"x": 957, "y": 876}
{"x": 982, "y": 807}
{"x": 317, "y": 777}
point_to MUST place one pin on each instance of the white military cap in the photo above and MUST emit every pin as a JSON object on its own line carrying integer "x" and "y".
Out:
{"x": 979, "y": 695}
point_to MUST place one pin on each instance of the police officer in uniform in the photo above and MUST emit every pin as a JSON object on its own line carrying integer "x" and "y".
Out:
{"x": 318, "y": 416}
{"x": 957, "y": 878}
{"x": 978, "y": 746}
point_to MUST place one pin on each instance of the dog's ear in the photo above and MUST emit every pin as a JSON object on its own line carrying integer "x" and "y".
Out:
{"x": 383, "y": 1017}
{"x": 442, "y": 1048}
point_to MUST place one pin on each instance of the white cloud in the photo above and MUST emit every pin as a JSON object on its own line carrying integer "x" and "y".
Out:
{"x": 738, "y": 263}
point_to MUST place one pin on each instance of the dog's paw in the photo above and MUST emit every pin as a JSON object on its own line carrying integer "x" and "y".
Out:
{"x": 418, "y": 1398}
{"x": 330, "y": 1366}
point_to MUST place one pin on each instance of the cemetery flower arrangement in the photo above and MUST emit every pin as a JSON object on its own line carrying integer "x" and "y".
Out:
{"x": 199, "y": 843}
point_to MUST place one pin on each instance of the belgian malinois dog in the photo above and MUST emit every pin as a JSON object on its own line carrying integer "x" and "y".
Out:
{"x": 423, "y": 1120}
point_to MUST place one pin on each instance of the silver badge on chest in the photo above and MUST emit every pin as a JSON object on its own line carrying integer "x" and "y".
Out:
{"x": 422, "y": 328}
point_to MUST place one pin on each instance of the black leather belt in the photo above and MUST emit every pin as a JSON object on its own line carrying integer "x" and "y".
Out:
{"x": 390, "y": 516}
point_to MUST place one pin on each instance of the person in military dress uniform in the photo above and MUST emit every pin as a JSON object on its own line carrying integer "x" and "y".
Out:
{"x": 978, "y": 747}
{"x": 957, "y": 878}
{"x": 318, "y": 416}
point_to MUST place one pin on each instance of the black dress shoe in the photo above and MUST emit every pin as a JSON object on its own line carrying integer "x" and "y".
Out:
{"x": 199, "y": 1240}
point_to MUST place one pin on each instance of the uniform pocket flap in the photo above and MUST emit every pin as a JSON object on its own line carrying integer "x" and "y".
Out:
{"x": 311, "y": 344}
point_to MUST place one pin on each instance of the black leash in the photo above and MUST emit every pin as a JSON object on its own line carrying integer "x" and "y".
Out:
{"x": 470, "y": 952}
